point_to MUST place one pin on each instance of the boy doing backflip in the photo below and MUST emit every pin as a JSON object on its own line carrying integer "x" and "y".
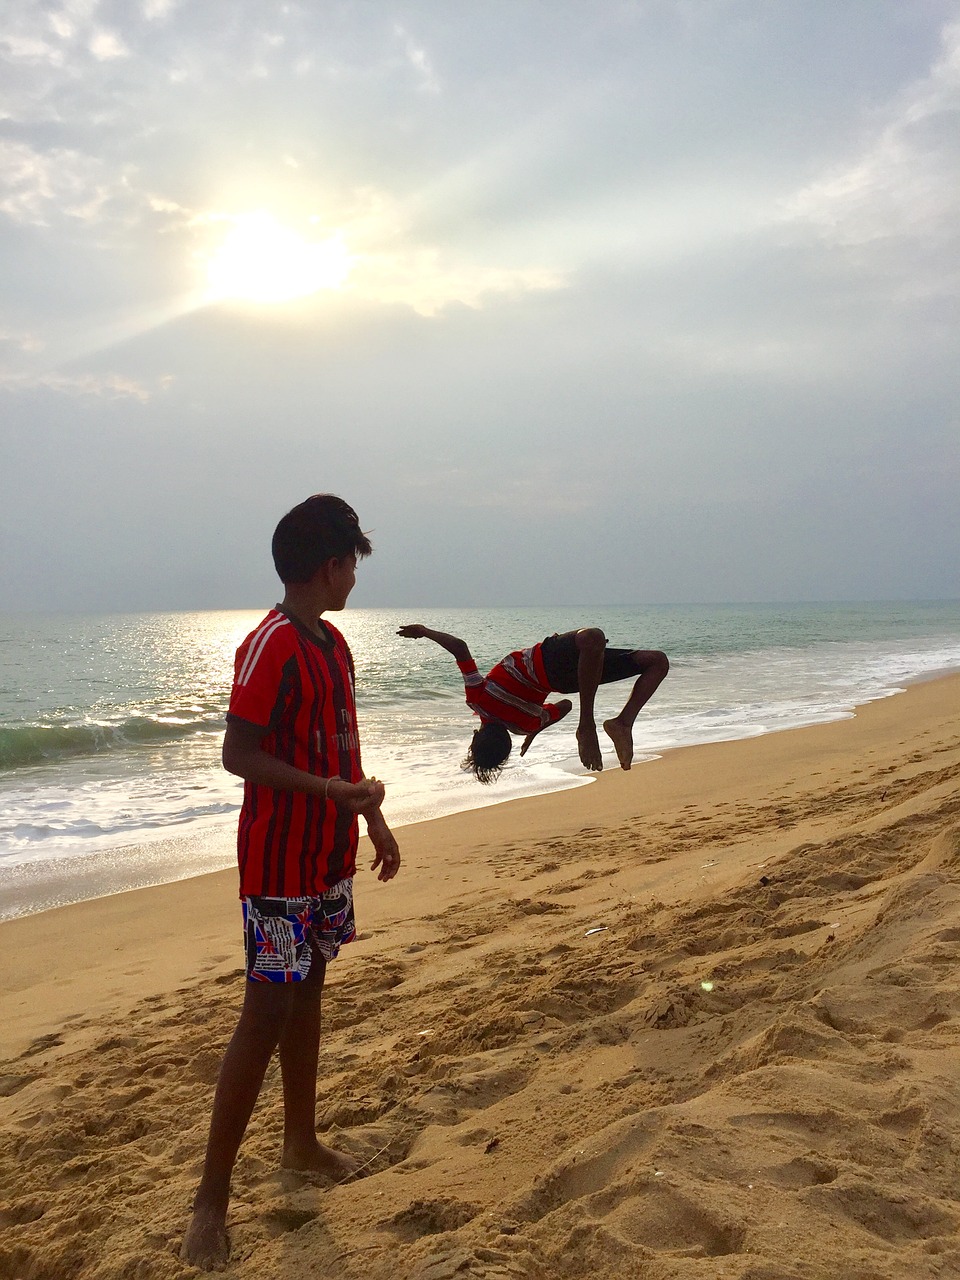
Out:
{"x": 292, "y": 736}
{"x": 511, "y": 698}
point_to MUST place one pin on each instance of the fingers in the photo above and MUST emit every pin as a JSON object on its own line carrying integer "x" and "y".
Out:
{"x": 388, "y": 860}
{"x": 365, "y": 796}
{"x": 375, "y": 791}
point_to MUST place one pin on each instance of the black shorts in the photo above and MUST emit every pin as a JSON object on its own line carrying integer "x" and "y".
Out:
{"x": 561, "y": 658}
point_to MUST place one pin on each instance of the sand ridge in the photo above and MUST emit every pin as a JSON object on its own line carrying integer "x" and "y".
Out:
{"x": 706, "y": 1026}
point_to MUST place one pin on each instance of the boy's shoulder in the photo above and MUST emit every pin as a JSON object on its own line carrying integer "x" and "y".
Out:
{"x": 275, "y": 628}
{"x": 265, "y": 649}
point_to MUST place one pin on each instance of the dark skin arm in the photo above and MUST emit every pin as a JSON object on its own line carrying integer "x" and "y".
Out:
{"x": 384, "y": 846}
{"x": 453, "y": 644}
{"x": 244, "y": 756}
{"x": 565, "y": 706}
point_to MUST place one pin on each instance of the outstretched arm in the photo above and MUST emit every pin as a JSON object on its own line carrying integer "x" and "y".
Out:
{"x": 452, "y": 644}
{"x": 565, "y": 706}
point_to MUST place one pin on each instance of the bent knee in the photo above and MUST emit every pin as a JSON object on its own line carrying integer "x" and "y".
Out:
{"x": 652, "y": 662}
{"x": 591, "y": 638}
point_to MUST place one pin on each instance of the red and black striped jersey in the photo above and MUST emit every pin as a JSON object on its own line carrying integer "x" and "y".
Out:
{"x": 513, "y": 692}
{"x": 299, "y": 690}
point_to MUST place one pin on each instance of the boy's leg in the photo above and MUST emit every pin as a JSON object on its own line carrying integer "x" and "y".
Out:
{"x": 266, "y": 1010}
{"x": 653, "y": 666}
{"x": 299, "y": 1055}
{"x": 591, "y": 643}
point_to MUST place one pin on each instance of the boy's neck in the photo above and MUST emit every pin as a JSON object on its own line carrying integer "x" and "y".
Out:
{"x": 305, "y": 605}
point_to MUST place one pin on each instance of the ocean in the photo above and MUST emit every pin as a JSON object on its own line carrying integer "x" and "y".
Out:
{"x": 110, "y": 725}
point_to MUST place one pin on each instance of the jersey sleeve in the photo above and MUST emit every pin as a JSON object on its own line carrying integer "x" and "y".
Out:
{"x": 259, "y": 682}
{"x": 551, "y": 714}
{"x": 472, "y": 679}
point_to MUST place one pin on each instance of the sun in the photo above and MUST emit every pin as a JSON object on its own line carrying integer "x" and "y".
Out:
{"x": 260, "y": 260}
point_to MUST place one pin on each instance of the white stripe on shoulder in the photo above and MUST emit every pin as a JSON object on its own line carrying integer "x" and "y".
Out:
{"x": 257, "y": 645}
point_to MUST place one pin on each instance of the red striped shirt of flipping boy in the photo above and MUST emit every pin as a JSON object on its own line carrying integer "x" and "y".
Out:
{"x": 513, "y": 692}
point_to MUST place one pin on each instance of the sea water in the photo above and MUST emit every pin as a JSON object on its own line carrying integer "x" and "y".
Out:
{"x": 111, "y": 725}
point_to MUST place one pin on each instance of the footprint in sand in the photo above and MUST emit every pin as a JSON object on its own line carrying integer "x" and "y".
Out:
{"x": 280, "y": 1221}
{"x": 430, "y": 1217}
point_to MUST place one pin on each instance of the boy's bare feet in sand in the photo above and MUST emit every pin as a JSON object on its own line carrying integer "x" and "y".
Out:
{"x": 320, "y": 1159}
{"x": 589, "y": 746}
{"x": 622, "y": 739}
{"x": 206, "y": 1244}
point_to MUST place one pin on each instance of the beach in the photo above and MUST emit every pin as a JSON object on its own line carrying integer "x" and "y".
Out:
{"x": 701, "y": 1019}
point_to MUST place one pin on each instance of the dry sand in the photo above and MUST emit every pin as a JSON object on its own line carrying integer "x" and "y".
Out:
{"x": 699, "y": 1020}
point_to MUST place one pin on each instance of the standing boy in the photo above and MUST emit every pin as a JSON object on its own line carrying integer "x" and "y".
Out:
{"x": 292, "y": 736}
{"x": 512, "y": 697}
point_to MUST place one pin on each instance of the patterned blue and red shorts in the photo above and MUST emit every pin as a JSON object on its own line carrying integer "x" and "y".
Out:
{"x": 281, "y": 934}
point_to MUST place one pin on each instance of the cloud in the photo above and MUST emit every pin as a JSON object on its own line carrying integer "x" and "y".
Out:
{"x": 19, "y": 342}
{"x": 108, "y": 386}
{"x": 418, "y": 59}
{"x": 105, "y": 45}
{"x": 157, "y": 10}
{"x": 427, "y": 280}
{"x": 39, "y": 187}
{"x": 904, "y": 184}
{"x": 30, "y": 49}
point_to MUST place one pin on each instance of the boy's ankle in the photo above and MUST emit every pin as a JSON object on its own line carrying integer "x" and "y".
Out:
{"x": 211, "y": 1203}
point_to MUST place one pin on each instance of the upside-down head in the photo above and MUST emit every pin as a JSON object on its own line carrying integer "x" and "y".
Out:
{"x": 489, "y": 749}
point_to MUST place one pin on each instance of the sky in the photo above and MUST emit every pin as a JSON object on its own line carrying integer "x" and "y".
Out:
{"x": 606, "y": 302}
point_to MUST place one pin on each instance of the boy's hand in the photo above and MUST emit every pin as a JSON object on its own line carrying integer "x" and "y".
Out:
{"x": 363, "y": 797}
{"x": 412, "y": 631}
{"x": 385, "y": 847}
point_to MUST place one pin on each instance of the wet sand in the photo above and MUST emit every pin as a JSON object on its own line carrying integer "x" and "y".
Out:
{"x": 701, "y": 1019}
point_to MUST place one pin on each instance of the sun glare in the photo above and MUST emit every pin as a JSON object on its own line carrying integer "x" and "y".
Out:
{"x": 260, "y": 260}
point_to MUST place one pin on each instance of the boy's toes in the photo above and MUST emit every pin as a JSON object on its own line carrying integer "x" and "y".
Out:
{"x": 589, "y": 749}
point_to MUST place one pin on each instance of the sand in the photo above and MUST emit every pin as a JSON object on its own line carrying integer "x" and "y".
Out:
{"x": 698, "y": 1020}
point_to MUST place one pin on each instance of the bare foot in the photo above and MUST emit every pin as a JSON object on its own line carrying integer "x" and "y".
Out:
{"x": 622, "y": 739}
{"x": 589, "y": 746}
{"x": 206, "y": 1244}
{"x": 320, "y": 1159}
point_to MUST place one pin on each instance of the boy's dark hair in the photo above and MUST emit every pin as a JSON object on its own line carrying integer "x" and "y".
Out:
{"x": 489, "y": 749}
{"x": 322, "y": 528}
